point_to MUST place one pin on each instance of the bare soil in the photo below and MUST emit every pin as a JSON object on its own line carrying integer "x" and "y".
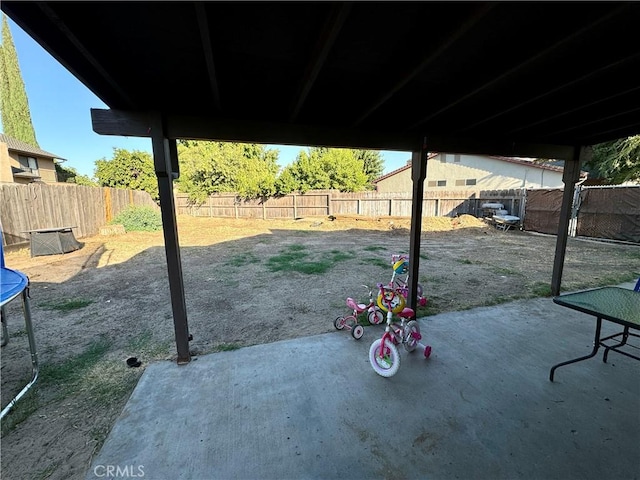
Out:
{"x": 94, "y": 308}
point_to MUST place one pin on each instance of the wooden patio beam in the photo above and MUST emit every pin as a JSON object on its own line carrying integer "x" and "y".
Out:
{"x": 570, "y": 176}
{"x": 418, "y": 174}
{"x": 165, "y": 160}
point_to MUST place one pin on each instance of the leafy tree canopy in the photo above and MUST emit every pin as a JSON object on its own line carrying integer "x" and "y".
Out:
{"x": 133, "y": 170}
{"x": 617, "y": 161}
{"x": 373, "y": 163}
{"x": 214, "y": 167}
{"x": 71, "y": 175}
{"x": 321, "y": 168}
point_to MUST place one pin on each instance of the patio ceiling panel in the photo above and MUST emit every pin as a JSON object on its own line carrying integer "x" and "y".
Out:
{"x": 481, "y": 74}
{"x": 544, "y": 70}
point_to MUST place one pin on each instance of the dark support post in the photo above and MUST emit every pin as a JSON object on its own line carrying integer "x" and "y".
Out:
{"x": 418, "y": 174}
{"x": 570, "y": 176}
{"x": 165, "y": 159}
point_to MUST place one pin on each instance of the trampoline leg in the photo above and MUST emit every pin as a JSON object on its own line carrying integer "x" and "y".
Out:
{"x": 34, "y": 355}
{"x": 3, "y": 320}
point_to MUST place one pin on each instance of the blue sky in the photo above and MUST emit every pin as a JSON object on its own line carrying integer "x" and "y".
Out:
{"x": 60, "y": 111}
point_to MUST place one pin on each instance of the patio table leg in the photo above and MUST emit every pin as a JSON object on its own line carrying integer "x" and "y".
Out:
{"x": 596, "y": 346}
{"x": 625, "y": 336}
{"x": 616, "y": 348}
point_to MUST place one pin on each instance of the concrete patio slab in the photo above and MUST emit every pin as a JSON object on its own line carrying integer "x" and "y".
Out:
{"x": 482, "y": 407}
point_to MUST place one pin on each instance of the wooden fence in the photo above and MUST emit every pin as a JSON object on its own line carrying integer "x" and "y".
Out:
{"x": 372, "y": 204}
{"x": 606, "y": 212}
{"x": 41, "y": 205}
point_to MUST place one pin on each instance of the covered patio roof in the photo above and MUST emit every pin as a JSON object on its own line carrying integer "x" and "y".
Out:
{"x": 535, "y": 79}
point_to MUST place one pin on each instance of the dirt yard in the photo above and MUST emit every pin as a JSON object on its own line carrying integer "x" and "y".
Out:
{"x": 246, "y": 283}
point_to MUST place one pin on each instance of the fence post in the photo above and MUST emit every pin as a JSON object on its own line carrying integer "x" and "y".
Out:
{"x": 575, "y": 210}
{"x": 358, "y": 208}
{"x": 330, "y": 203}
{"x": 108, "y": 207}
{"x": 264, "y": 209}
{"x": 295, "y": 207}
{"x": 391, "y": 207}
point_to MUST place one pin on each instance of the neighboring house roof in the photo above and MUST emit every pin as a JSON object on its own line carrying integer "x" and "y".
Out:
{"x": 519, "y": 161}
{"x": 393, "y": 172}
{"x": 23, "y": 147}
{"x": 401, "y": 169}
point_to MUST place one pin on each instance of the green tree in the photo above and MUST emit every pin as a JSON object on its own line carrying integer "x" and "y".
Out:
{"x": 322, "y": 168}
{"x": 85, "y": 180}
{"x": 127, "y": 169}
{"x": 213, "y": 167}
{"x": 14, "y": 106}
{"x": 286, "y": 182}
{"x": 71, "y": 175}
{"x": 616, "y": 162}
{"x": 373, "y": 163}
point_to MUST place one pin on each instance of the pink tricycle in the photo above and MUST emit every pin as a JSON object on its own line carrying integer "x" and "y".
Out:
{"x": 350, "y": 321}
{"x": 383, "y": 353}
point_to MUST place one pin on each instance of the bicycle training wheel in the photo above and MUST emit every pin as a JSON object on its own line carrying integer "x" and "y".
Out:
{"x": 411, "y": 335}
{"x": 386, "y": 363}
{"x": 375, "y": 317}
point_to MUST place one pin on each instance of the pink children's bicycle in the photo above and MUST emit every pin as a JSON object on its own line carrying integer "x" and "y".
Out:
{"x": 350, "y": 321}
{"x": 383, "y": 353}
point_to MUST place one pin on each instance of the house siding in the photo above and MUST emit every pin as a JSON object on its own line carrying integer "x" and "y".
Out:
{"x": 10, "y": 158}
{"x": 5, "y": 164}
{"x": 487, "y": 173}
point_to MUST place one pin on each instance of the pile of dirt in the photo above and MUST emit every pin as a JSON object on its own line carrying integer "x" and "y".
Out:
{"x": 396, "y": 224}
{"x": 466, "y": 221}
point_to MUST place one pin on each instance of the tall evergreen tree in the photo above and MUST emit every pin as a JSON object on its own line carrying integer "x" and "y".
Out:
{"x": 14, "y": 106}
{"x": 373, "y": 163}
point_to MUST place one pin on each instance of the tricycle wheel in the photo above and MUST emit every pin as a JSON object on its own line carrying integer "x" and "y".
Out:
{"x": 339, "y": 323}
{"x": 357, "y": 332}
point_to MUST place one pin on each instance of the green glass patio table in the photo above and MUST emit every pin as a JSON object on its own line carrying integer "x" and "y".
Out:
{"x": 614, "y": 304}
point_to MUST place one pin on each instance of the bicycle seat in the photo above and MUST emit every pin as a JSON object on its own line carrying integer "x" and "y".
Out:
{"x": 407, "y": 313}
{"x": 358, "y": 307}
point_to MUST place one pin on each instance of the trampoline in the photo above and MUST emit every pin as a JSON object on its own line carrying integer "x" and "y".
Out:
{"x": 14, "y": 284}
